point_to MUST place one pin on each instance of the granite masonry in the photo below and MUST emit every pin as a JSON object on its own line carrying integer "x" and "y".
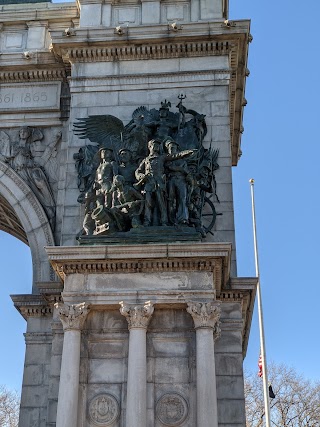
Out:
{"x": 122, "y": 334}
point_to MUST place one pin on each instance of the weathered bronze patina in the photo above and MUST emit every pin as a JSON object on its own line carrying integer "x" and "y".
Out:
{"x": 151, "y": 180}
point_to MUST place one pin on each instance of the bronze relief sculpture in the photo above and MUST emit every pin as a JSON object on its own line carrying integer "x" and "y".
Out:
{"x": 151, "y": 180}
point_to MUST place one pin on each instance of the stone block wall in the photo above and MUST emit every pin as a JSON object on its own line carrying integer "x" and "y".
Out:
{"x": 118, "y": 88}
{"x": 34, "y": 399}
{"x": 171, "y": 365}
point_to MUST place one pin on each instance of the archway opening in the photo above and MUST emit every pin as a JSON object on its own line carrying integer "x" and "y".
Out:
{"x": 16, "y": 278}
{"x": 10, "y": 223}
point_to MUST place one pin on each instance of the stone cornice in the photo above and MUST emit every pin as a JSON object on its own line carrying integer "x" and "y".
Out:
{"x": 31, "y": 306}
{"x": 84, "y": 41}
{"x": 33, "y": 75}
{"x": 38, "y": 305}
{"x": 42, "y": 65}
{"x": 127, "y": 52}
{"x": 242, "y": 289}
{"x": 149, "y": 258}
{"x": 209, "y": 29}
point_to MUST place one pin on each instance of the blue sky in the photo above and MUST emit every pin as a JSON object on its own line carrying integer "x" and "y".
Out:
{"x": 281, "y": 151}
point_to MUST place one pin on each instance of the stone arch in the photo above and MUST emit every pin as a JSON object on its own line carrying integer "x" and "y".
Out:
{"x": 33, "y": 219}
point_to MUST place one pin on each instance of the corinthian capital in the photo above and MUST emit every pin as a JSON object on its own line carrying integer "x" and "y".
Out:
{"x": 138, "y": 316}
{"x": 72, "y": 316}
{"x": 205, "y": 315}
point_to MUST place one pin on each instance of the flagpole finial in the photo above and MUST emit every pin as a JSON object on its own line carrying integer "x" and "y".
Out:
{"x": 251, "y": 181}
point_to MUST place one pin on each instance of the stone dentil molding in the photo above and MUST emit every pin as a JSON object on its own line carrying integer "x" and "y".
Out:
{"x": 138, "y": 316}
{"x": 205, "y": 315}
{"x": 72, "y": 316}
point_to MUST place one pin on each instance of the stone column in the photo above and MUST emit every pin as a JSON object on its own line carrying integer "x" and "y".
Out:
{"x": 206, "y": 321}
{"x": 138, "y": 317}
{"x": 72, "y": 318}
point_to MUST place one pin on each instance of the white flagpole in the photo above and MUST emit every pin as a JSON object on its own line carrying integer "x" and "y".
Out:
{"x": 260, "y": 314}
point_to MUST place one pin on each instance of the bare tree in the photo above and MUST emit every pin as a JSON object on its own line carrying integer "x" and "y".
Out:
{"x": 9, "y": 408}
{"x": 296, "y": 402}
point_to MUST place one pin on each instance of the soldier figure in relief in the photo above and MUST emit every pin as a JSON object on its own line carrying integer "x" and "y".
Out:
{"x": 105, "y": 173}
{"x": 151, "y": 175}
{"x": 177, "y": 172}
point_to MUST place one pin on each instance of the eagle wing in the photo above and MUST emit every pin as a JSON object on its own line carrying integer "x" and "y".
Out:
{"x": 104, "y": 130}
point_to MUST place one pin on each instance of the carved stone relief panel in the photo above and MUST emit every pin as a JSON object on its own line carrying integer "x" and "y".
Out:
{"x": 103, "y": 410}
{"x": 33, "y": 153}
{"x": 127, "y": 15}
{"x": 175, "y": 12}
{"x": 14, "y": 40}
{"x": 172, "y": 409}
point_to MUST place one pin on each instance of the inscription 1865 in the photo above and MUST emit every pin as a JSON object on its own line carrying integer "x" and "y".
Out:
{"x": 30, "y": 96}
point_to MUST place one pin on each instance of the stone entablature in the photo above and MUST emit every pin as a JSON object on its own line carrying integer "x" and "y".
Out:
{"x": 151, "y": 258}
{"x": 167, "y": 274}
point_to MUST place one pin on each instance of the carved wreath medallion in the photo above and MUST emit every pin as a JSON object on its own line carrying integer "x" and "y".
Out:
{"x": 172, "y": 409}
{"x": 103, "y": 409}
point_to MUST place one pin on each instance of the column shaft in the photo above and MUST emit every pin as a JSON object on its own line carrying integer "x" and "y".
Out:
{"x": 72, "y": 318}
{"x": 206, "y": 317}
{"x": 138, "y": 317}
{"x": 206, "y": 379}
{"x": 136, "y": 415}
{"x": 67, "y": 412}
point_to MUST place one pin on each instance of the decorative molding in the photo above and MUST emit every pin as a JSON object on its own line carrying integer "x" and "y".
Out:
{"x": 211, "y": 77}
{"x": 144, "y": 51}
{"x": 172, "y": 409}
{"x": 38, "y": 338}
{"x": 149, "y": 266}
{"x": 206, "y": 315}
{"x": 138, "y": 316}
{"x": 104, "y": 410}
{"x": 72, "y": 316}
{"x": 150, "y": 258}
{"x": 33, "y": 75}
{"x": 32, "y": 306}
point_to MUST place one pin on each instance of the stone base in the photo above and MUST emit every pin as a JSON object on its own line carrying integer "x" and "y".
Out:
{"x": 154, "y": 234}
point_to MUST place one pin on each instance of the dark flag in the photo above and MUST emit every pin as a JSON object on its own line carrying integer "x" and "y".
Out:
{"x": 271, "y": 393}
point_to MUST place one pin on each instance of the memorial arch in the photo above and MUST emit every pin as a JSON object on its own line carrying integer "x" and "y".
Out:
{"x": 120, "y": 128}
{"x": 23, "y": 216}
